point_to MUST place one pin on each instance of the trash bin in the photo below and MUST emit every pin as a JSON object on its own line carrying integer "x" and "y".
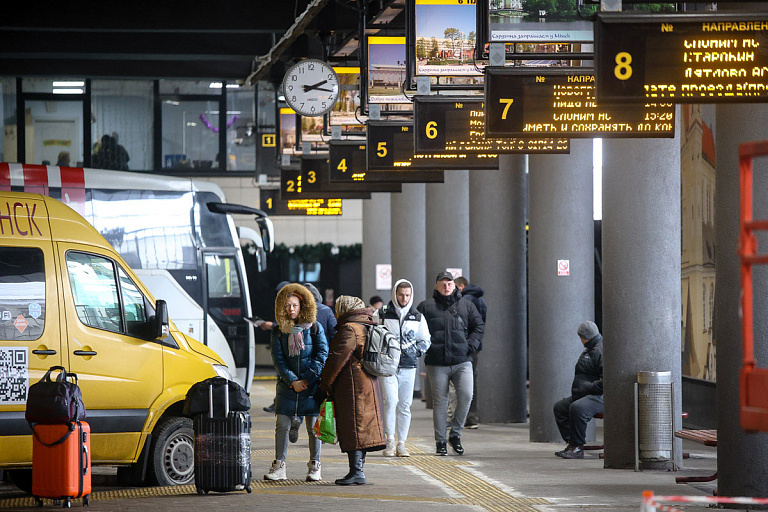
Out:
{"x": 654, "y": 425}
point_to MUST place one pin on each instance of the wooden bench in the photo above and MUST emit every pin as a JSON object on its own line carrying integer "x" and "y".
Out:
{"x": 705, "y": 437}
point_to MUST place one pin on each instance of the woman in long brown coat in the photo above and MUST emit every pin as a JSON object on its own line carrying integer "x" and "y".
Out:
{"x": 354, "y": 392}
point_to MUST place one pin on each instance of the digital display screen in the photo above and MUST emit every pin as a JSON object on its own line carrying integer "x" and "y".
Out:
{"x": 293, "y": 185}
{"x": 390, "y": 146}
{"x": 386, "y": 69}
{"x": 457, "y": 125}
{"x": 270, "y": 202}
{"x": 561, "y": 103}
{"x": 343, "y": 113}
{"x": 289, "y": 139}
{"x": 682, "y": 58}
{"x": 348, "y": 164}
{"x": 535, "y": 21}
{"x": 445, "y": 33}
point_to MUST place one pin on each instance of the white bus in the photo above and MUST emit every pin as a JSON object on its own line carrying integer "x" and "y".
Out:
{"x": 179, "y": 237}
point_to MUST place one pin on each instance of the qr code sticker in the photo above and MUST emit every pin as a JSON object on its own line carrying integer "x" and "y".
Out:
{"x": 14, "y": 375}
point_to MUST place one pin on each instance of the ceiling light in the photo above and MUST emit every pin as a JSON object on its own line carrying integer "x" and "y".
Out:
{"x": 67, "y": 91}
{"x": 218, "y": 85}
{"x": 70, "y": 83}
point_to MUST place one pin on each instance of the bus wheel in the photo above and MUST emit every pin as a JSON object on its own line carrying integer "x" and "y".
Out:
{"x": 172, "y": 459}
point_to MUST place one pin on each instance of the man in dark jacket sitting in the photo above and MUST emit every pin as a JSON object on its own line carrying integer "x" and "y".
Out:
{"x": 457, "y": 333}
{"x": 574, "y": 412}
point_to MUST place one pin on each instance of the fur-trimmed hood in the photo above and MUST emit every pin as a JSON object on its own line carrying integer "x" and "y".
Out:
{"x": 308, "y": 313}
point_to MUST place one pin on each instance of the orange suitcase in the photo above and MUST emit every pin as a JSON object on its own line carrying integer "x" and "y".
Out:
{"x": 61, "y": 462}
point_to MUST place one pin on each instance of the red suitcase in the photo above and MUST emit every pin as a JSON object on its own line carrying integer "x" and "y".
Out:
{"x": 61, "y": 462}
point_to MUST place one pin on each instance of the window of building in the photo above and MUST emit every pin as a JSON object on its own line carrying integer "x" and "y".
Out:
{"x": 190, "y": 134}
{"x": 22, "y": 293}
{"x": 241, "y": 129}
{"x": 122, "y": 124}
{"x": 8, "y": 116}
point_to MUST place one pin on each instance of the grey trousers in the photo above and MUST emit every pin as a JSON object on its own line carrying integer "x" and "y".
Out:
{"x": 283, "y": 425}
{"x": 439, "y": 377}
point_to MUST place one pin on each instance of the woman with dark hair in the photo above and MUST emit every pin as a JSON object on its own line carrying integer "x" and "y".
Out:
{"x": 299, "y": 350}
{"x": 355, "y": 393}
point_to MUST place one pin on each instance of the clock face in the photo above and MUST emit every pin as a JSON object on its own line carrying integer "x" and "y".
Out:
{"x": 311, "y": 87}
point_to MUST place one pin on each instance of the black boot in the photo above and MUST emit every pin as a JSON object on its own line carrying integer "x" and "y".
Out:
{"x": 355, "y": 475}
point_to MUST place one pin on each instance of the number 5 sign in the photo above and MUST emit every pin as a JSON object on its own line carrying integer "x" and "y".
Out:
{"x": 563, "y": 267}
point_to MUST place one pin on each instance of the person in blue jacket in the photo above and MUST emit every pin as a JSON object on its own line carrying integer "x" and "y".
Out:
{"x": 299, "y": 350}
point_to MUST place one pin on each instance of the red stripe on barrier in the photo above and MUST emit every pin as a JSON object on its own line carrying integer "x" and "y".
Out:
{"x": 35, "y": 176}
{"x": 72, "y": 177}
{"x": 5, "y": 177}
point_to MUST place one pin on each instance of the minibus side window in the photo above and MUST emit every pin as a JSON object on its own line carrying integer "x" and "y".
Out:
{"x": 94, "y": 289}
{"x": 22, "y": 294}
{"x": 134, "y": 306}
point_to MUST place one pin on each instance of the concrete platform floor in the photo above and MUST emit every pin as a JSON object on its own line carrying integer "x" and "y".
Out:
{"x": 501, "y": 471}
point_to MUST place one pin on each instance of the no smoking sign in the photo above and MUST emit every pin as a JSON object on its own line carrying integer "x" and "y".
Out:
{"x": 563, "y": 267}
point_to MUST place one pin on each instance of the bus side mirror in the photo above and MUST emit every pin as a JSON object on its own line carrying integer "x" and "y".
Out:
{"x": 160, "y": 320}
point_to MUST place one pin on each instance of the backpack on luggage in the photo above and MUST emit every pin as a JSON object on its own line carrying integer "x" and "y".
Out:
{"x": 381, "y": 353}
{"x": 197, "y": 401}
{"x": 222, "y": 448}
{"x": 55, "y": 401}
{"x": 61, "y": 462}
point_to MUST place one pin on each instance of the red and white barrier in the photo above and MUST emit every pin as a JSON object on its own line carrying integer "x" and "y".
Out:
{"x": 651, "y": 501}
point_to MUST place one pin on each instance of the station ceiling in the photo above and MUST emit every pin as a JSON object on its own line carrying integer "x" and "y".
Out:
{"x": 221, "y": 39}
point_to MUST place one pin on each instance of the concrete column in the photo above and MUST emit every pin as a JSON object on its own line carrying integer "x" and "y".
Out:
{"x": 447, "y": 226}
{"x": 641, "y": 280}
{"x": 376, "y": 242}
{"x": 498, "y": 207}
{"x": 561, "y": 227}
{"x": 742, "y": 459}
{"x": 408, "y": 238}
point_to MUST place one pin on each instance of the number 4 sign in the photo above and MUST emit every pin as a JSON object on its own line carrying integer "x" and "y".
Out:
{"x": 563, "y": 267}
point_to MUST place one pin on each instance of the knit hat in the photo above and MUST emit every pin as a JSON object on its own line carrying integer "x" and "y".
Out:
{"x": 347, "y": 303}
{"x": 588, "y": 330}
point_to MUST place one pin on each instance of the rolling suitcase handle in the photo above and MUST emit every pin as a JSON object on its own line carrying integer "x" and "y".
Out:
{"x": 210, "y": 401}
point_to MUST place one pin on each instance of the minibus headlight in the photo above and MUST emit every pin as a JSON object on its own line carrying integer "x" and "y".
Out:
{"x": 222, "y": 371}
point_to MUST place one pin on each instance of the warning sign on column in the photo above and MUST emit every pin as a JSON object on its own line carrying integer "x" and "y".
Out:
{"x": 563, "y": 267}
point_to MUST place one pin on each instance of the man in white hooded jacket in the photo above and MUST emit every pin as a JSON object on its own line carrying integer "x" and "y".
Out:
{"x": 411, "y": 328}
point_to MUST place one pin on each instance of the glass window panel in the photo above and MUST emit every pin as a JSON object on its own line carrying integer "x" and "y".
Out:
{"x": 223, "y": 279}
{"x": 134, "y": 306}
{"x": 8, "y": 141}
{"x": 190, "y": 87}
{"x": 241, "y": 130}
{"x": 22, "y": 293}
{"x": 54, "y": 131}
{"x": 94, "y": 289}
{"x": 190, "y": 134}
{"x": 122, "y": 118}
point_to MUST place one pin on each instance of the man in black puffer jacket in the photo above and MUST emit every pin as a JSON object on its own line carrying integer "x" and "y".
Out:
{"x": 572, "y": 413}
{"x": 457, "y": 334}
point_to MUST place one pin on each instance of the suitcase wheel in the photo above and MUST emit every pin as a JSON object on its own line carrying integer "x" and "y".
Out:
{"x": 248, "y": 489}
{"x": 200, "y": 492}
{"x": 86, "y": 500}
{"x": 38, "y": 501}
{"x": 67, "y": 504}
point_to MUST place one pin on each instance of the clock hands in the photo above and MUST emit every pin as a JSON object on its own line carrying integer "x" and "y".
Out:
{"x": 317, "y": 87}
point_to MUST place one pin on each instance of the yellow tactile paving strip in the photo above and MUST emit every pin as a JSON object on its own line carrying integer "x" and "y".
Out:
{"x": 473, "y": 490}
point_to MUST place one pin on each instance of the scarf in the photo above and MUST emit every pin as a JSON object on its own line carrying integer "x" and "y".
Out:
{"x": 296, "y": 339}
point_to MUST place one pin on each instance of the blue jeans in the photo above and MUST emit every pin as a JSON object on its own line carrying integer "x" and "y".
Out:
{"x": 439, "y": 376}
{"x": 396, "y": 398}
{"x": 283, "y": 425}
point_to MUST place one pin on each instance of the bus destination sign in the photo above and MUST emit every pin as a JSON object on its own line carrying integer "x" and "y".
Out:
{"x": 682, "y": 58}
{"x": 391, "y": 147}
{"x": 561, "y": 103}
{"x": 457, "y": 125}
{"x": 271, "y": 203}
{"x": 348, "y": 164}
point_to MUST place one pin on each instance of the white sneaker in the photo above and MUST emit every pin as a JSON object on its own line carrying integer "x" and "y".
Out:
{"x": 402, "y": 451}
{"x": 277, "y": 471}
{"x": 389, "y": 451}
{"x": 313, "y": 475}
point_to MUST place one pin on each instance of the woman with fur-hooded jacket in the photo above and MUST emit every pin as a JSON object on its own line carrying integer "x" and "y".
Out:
{"x": 355, "y": 393}
{"x": 299, "y": 351}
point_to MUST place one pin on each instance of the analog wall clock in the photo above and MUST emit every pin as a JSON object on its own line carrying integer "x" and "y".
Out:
{"x": 311, "y": 87}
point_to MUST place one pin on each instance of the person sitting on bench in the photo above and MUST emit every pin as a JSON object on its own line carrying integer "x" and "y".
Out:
{"x": 572, "y": 413}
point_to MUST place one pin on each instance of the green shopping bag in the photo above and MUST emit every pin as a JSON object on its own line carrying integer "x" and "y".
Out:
{"x": 325, "y": 426}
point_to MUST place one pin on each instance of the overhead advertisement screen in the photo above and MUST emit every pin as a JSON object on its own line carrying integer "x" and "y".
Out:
{"x": 561, "y": 103}
{"x": 457, "y": 125}
{"x": 344, "y": 112}
{"x": 536, "y": 21}
{"x": 270, "y": 202}
{"x": 682, "y": 58}
{"x": 445, "y": 37}
{"x": 390, "y": 146}
{"x": 386, "y": 69}
{"x": 348, "y": 164}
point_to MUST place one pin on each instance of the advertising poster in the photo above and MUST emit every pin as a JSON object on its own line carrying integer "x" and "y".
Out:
{"x": 287, "y": 131}
{"x": 343, "y": 113}
{"x": 445, "y": 38}
{"x": 386, "y": 69}
{"x": 537, "y": 21}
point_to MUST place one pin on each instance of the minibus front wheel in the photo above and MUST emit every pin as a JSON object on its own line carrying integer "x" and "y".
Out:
{"x": 172, "y": 459}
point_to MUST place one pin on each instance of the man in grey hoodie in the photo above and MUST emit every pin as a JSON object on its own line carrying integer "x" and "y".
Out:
{"x": 410, "y": 326}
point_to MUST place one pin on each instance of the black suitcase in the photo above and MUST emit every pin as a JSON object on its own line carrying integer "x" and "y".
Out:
{"x": 222, "y": 449}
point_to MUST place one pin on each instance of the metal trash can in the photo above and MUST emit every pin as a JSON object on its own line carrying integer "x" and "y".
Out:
{"x": 654, "y": 420}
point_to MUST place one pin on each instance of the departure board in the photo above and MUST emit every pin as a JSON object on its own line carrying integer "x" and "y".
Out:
{"x": 457, "y": 125}
{"x": 682, "y": 58}
{"x": 292, "y": 186}
{"x": 391, "y": 147}
{"x": 271, "y": 203}
{"x": 348, "y": 164}
{"x": 560, "y": 102}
